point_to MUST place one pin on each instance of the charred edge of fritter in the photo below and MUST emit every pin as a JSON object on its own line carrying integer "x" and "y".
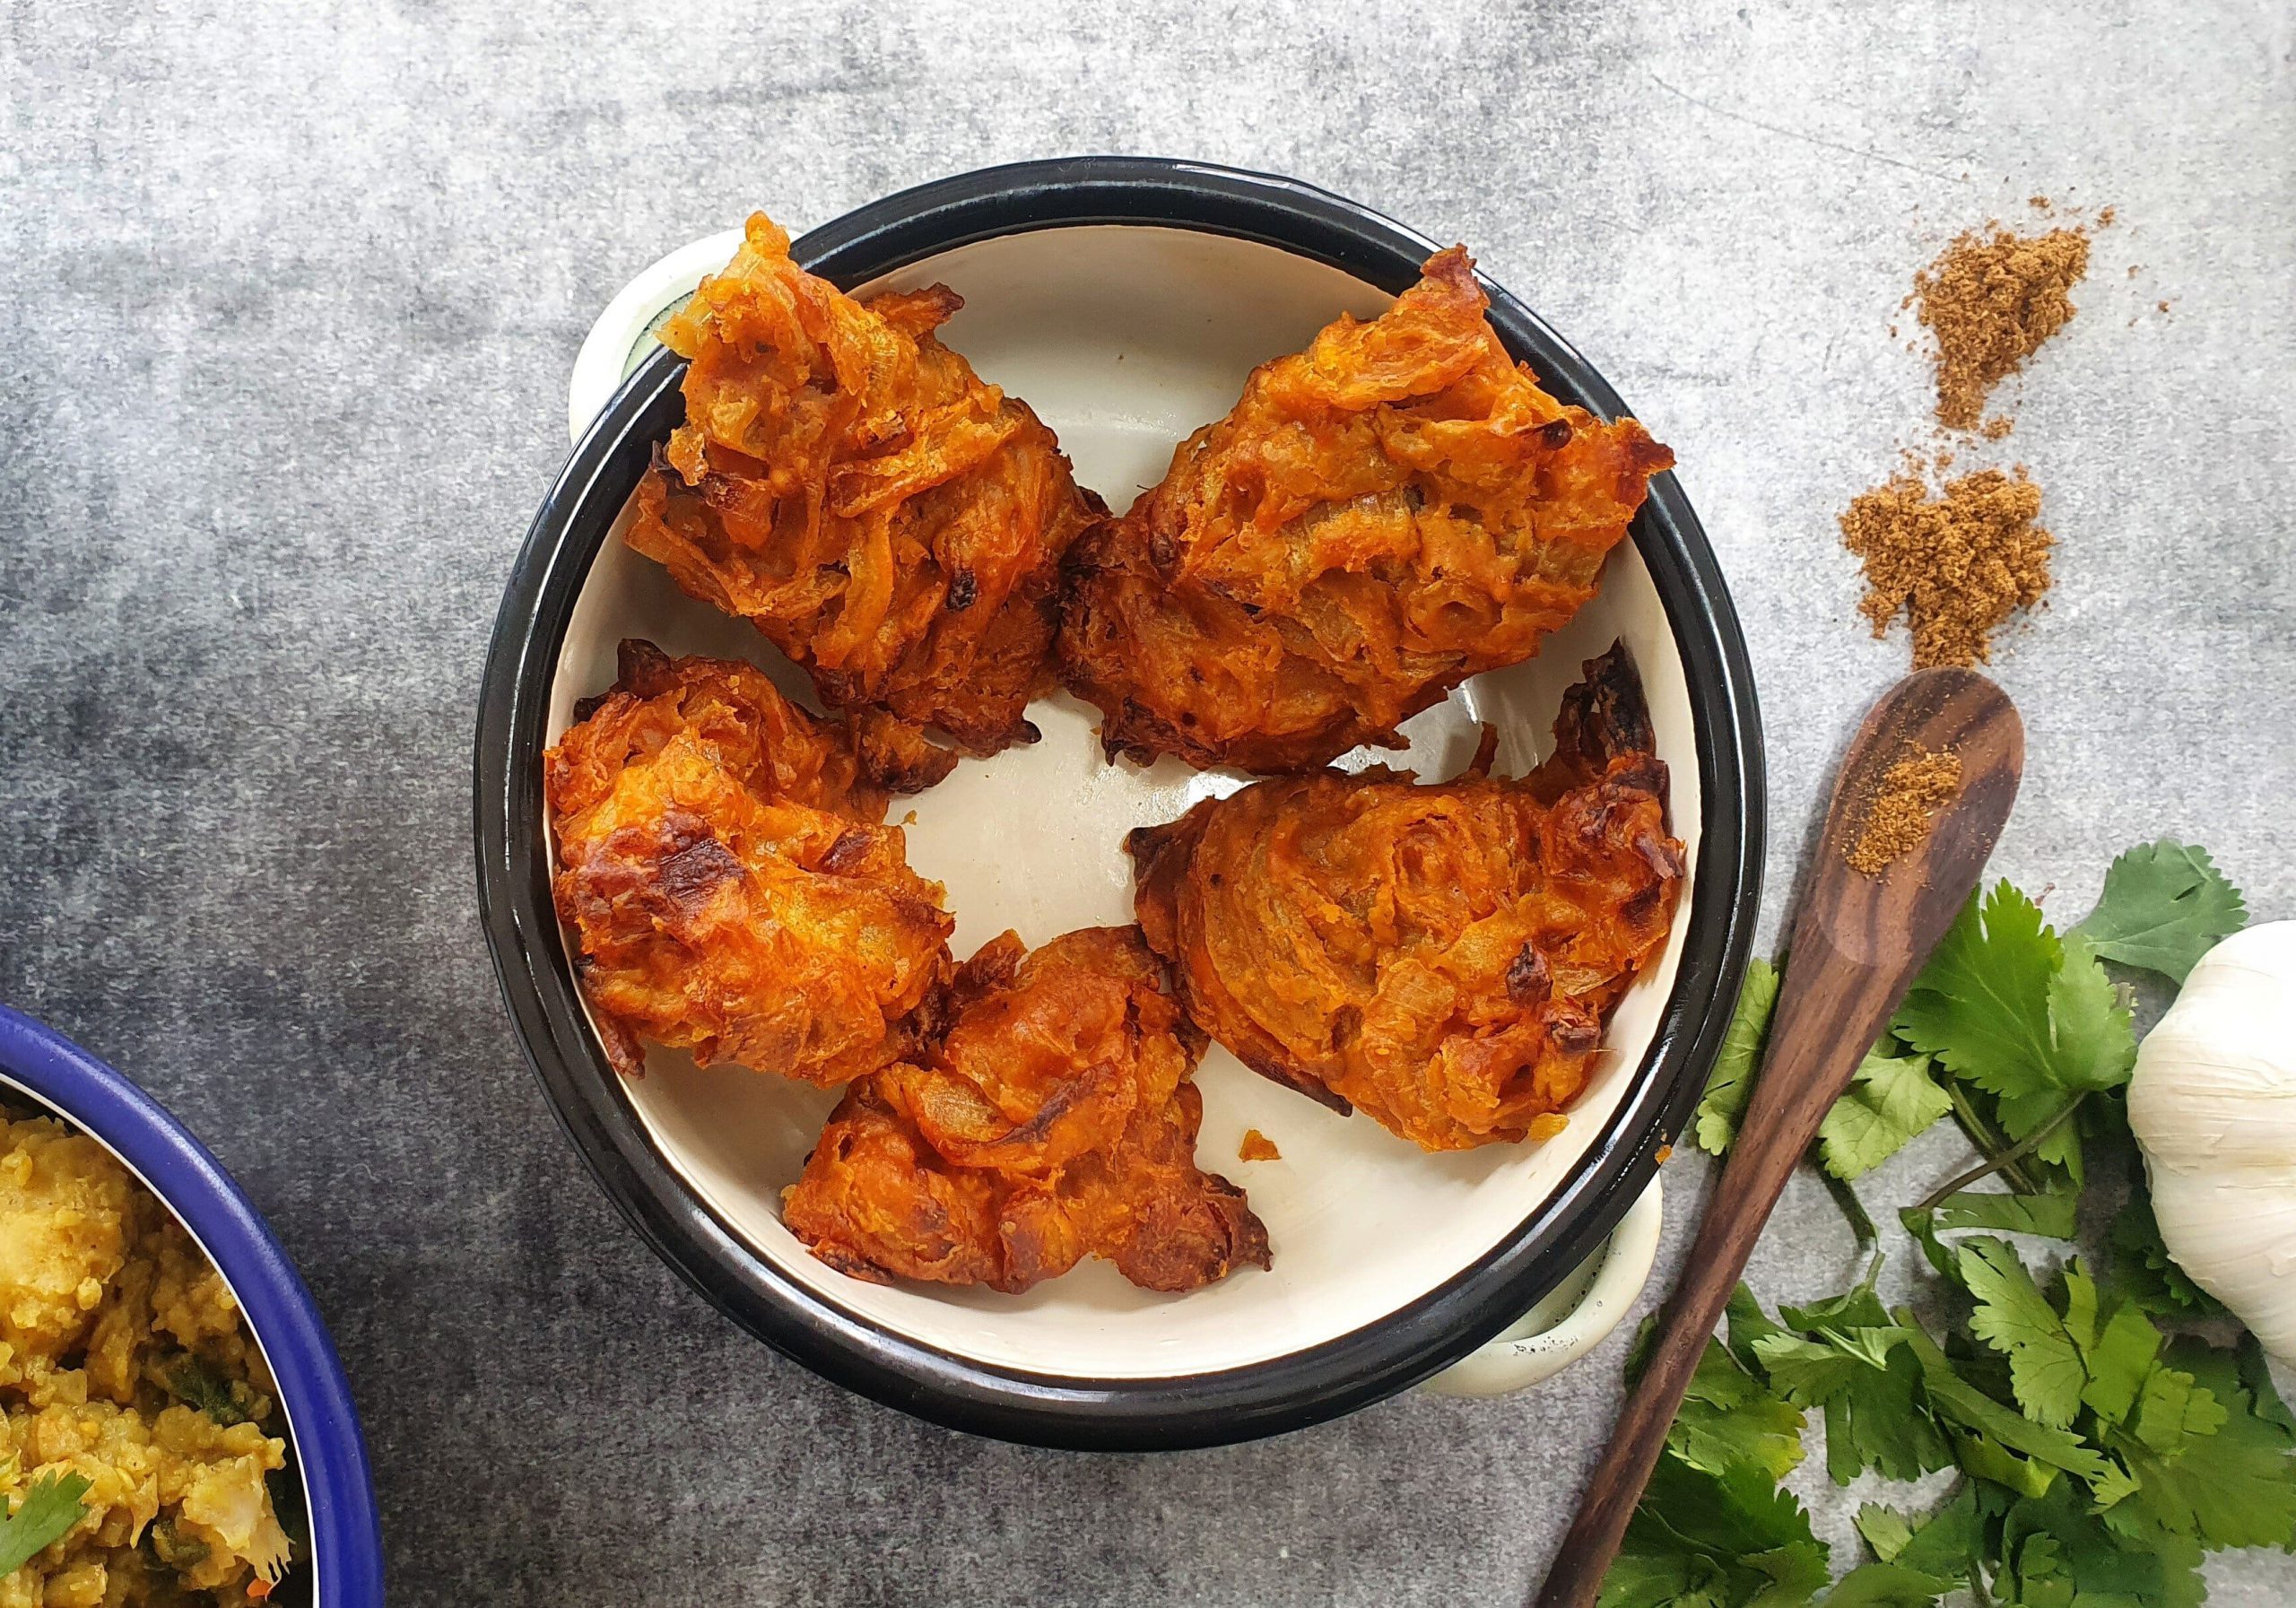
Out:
{"x": 1292, "y": 1077}
{"x": 1487, "y": 750}
{"x": 1131, "y": 731}
{"x": 895, "y": 753}
{"x": 641, "y": 667}
{"x": 641, "y": 670}
{"x": 1605, "y": 716}
{"x": 625, "y": 1052}
{"x": 852, "y": 1265}
{"x": 1246, "y": 1235}
{"x": 1147, "y": 843}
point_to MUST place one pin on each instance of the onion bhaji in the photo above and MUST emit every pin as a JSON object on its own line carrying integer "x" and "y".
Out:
{"x": 847, "y": 484}
{"x": 730, "y": 890}
{"x": 1056, "y": 1117}
{"x": 1442, "y": 957}
{"x": 1382, "y": 516}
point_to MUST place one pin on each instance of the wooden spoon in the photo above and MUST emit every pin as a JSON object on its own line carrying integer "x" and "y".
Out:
{"x": 1858, "y": 945}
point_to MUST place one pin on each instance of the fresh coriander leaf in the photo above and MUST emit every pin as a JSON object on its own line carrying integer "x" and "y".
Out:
{"x": 1984, "y": 1459}
{"x": 1885, "y": 1585}
{"x": 1807, "y": 1371}
{"x": 1748, "y": 1323}
{"x": 2015, "y": 1318}
{"x": 46, "y": 1514}
{"x": 2080, "y": 1293}
{"x": 2096, "y": 1041}
{"x": 2050, "y": 1216}
{"x": 1733, "y": 1539}
{"x": 2172, "y": 1411}
{"x": 2164, "y": 906}
{"x": 1880, "y": 1423}
{"x": 1891, "y": 1099}
{"x": 1869, "y": 1387}
{"x": 1729, "y": 1419}
{"x": 2142, "y": 1268}
{"x": 2036, "y": 1571}
{"x": 1960, "y": 1402}
{"x": 1979, "y": 1364}
{"x": 1857, "y": 1308}
{"x": 2175, "y": 1558}
{"x": 1733, "y": 1077}
{"x": 1942, "y": 1544}
{"x": 1981, "y": 1003}
{"x": 1729, "y": 1416}
{"x": 1885, "y": 1529}
{"x": 1921, "y": 1223}
{"x": 2117, "y": 1485}
{"x": 2225, "y": 1372}
{"x": 2121, "y": 1363}
{"x": 2006, "y": 1005}
{"x": 2254, "y": 1376}
{"x": 2099, "y": 1563}
{"x": 2230, "y": 1485}
{"x": 2117, "y": 1354}
{"x": 1667, "y": 1579}
{"x": 2095, "y": 1033}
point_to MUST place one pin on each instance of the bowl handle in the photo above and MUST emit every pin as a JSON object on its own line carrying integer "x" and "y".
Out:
{"x": 619, "y": 340}
{"x": 1545, "y": 1343}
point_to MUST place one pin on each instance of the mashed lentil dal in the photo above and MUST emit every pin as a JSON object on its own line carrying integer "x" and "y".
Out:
{"x": 124, "y": 1360}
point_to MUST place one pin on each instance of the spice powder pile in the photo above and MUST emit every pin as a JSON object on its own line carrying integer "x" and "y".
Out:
{"x": 1956, "y": 565}
{"x": 1899, "y": 815}
{"x": 1991, "y": 299}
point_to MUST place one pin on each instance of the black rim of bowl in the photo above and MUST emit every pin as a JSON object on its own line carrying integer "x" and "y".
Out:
{"x": 1265, "y": 1398}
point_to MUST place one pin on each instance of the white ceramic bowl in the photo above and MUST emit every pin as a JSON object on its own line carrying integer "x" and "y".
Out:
{"x": 1125, "y": 333}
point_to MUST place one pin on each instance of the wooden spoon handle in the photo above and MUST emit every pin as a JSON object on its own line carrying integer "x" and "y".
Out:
{"x": 1831, "y": 1012}
{"x": 1857, "y": 944}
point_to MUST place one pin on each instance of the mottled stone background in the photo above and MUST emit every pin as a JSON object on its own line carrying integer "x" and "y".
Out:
{"x": 290, "y": 294}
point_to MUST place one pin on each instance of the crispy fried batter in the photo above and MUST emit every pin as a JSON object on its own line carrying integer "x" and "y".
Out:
{"x": 1395, "y": 510}
{"x": 1440, "y": 957}
{"x": 722, "y": 872}
{"x": 848, "y": 484}
{"x": 1056, "y": 1119}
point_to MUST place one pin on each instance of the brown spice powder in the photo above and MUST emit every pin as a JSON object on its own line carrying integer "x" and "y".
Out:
{"x": 1955, "y": 565}
{"x": 1899, "y": 815}
{"x": 1991, "y": 299}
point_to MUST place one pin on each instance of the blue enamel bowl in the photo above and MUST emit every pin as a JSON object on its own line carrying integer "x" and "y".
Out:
{"x": 346, "y": 1567}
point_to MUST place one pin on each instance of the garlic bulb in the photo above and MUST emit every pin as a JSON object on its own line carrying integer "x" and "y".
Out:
{"x": 2214, "y": 1104}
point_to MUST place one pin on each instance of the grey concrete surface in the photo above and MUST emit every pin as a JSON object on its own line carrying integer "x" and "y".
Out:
{"x": 290, "y": 293}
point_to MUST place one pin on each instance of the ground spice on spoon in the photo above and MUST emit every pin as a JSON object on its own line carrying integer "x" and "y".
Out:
{"x": 1898, "y": 816}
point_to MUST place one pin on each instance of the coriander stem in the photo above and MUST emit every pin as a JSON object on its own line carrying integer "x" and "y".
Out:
{"x": 2006, "y": 1160}
{"x": 1873, "y": 1269}
{"x": 1989, "y": 1143}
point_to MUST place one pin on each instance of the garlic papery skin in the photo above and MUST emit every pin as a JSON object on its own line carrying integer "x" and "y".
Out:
{"x": 2212, "y": 1102}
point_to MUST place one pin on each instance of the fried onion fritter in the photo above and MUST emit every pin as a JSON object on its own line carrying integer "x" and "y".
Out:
{"x": 1056, "y": 1118}
{"x": 725, "y": 881}
{"x": 847, "y": 484}
{"x": 1442, "y": 957}
{"x": 1380, "y": 517}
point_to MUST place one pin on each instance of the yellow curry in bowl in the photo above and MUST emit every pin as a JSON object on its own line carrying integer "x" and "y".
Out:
{"x": 130, "y": 1389}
